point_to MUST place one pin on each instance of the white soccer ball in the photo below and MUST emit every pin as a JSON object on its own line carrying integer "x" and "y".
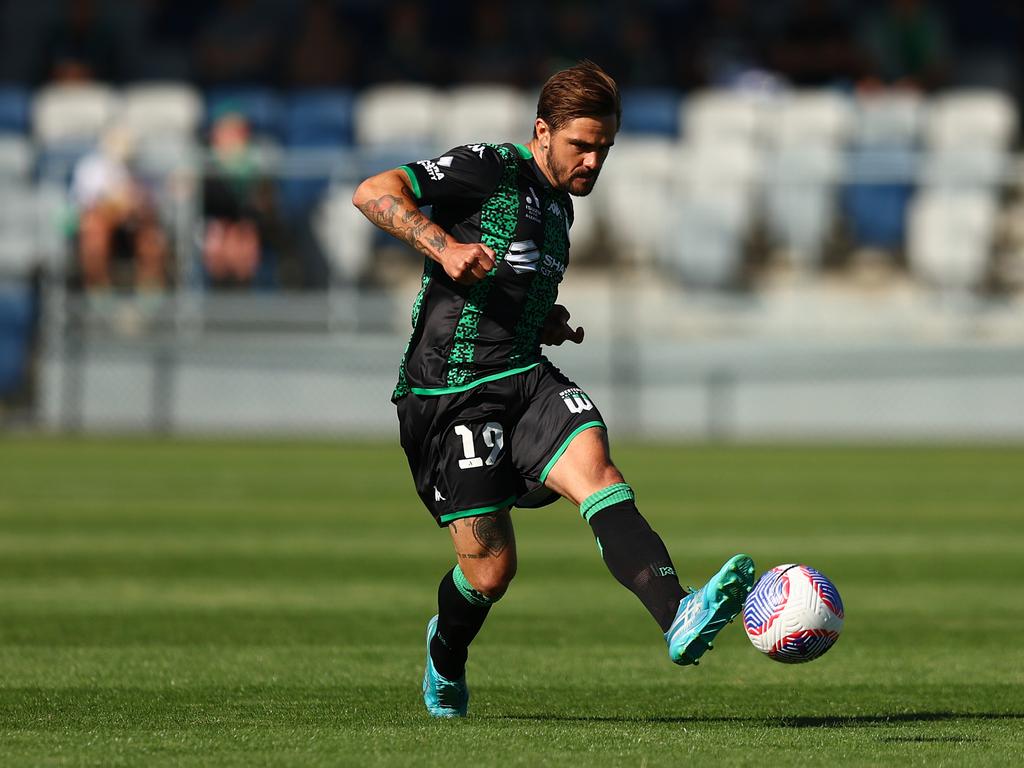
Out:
{"x": 793, "y": 614}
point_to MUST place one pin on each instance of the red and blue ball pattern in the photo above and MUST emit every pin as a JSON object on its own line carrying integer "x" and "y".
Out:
{"x": 793, "y": 614}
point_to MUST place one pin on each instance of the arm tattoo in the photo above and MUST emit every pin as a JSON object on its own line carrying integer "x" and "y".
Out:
{"x": 493, "y": 532}
{"x": 394, "y": 216}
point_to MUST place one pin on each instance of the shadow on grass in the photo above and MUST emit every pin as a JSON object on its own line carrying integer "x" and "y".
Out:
{"x": 824, "y": 721}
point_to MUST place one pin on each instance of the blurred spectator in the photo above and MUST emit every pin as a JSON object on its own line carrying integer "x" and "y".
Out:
{"x": 907, "y": 45}
{"x": 79, "y": 46}
{"x": 238, "y": 207}
{"x": 496, "y": 53}
{"x": 117, "y": 220}
{"x": 406, "y": 52}
{"x": 323, "y": 50}
{"x": 239, "y": 44}
{"x": 641, "y": 62}
{"x": 573, "y": 35}
{"x": 817, "y": 46}
{"x": 724, "y": 40}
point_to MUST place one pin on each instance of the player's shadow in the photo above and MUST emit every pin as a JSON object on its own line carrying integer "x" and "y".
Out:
{"x": 825, "y": 721}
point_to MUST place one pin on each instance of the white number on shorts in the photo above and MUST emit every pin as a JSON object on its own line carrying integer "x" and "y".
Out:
{"x": 494, "y": 438}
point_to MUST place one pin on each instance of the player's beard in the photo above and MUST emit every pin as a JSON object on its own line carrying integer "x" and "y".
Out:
{"x": 577, "y": 183}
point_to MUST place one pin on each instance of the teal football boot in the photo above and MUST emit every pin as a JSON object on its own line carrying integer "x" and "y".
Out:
{"x": 702, "y": 614}
{"x": 443, "y": 697}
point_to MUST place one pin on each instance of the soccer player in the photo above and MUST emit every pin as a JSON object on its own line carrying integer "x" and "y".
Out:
{"x": 486, "y": 421}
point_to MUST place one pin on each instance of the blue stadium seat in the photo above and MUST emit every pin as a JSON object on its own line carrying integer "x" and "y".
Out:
{"x": 16, "y": 319}
{"x": 14, "y": 109}
{"x": 651, "y": 111}
{"x": 262, "y": 107}
{"x": 877, "y": 210}
{"x": 319, "y": 119}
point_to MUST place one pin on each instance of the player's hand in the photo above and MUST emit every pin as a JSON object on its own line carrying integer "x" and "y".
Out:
{"x": 467, "y": 263}
{"x": 557, "y": 330}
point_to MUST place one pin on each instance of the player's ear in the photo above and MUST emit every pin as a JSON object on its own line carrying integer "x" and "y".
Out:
{"x": 541, "y": 131}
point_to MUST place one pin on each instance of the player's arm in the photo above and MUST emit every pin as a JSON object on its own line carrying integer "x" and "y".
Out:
{"x": 388, "y": 201}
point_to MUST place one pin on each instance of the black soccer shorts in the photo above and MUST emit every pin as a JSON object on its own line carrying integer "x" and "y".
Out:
{"x": 492, "y": 446}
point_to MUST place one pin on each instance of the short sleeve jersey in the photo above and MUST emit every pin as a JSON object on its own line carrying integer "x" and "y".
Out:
{"x": 466, "y": 334}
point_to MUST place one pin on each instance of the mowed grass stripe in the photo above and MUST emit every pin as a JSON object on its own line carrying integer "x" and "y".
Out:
{"x": 227, "y": 603}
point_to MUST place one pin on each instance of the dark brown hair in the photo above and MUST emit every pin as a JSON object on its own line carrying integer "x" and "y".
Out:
{"x": 583, "y": 90}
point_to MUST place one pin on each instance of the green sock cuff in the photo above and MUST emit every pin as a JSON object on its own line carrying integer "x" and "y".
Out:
{"x": 613, "y": 494}
{"x": 466, "y": 589}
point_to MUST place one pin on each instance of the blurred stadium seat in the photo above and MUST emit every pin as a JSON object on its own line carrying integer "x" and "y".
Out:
{"x": 399, "y": 114}
{"x": 710, "y": 220}
{"x": 881, "y": 166}
{"x": 14, "y": 109}
{"x": 261, "y": 107}
{"x": 491, "y": 113}
{"x": 18, "y": 225}
{"x": 344, "y": 234}
{"x": 950, "y": 237}
{"x": 315, "y": 121}
{"x": 970, "y": 118}
{"x": 642, "y": 172}
{"x": 803, "y": 165}
{"x": 16, "y": 320}
{"x": 651, "y": 111}
{"x": 72, "y": 114}
{"x": 16, "y": 157}
{"x": 162, "y": 109}
{"x": 723, "y": 117}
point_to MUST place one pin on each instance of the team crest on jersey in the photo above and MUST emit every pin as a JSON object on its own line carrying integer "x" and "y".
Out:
{"x": 576, "y": 400}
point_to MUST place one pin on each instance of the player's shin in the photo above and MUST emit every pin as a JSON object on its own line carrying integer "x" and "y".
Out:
{"x": 633, "y": 552}
{"x": 461, "y": 613}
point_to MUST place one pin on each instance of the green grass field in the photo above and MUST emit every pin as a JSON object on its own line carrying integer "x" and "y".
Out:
{"x": 228, "y": 603}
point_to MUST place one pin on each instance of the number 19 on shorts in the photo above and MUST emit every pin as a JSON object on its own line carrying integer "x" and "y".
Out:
{"x": 494, "y": 438}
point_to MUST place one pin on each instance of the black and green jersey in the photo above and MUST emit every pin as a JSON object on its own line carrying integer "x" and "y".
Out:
{"x": 464, "y": 335}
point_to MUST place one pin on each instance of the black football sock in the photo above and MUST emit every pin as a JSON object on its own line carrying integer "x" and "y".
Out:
{"x": 461, "y": 611}
{"x": 633, "y": 552}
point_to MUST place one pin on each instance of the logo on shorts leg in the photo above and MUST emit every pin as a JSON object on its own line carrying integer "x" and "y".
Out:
{"x": 576, "y": 400}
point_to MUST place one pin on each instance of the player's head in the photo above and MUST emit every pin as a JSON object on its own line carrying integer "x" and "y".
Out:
{"x": 578, "y": 115}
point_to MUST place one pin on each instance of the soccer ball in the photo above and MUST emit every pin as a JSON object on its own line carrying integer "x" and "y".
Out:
{"x": 793, "y": 614}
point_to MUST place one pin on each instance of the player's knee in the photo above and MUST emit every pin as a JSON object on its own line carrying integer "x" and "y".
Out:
{"x": 494, "y": 582}
{"x": 609, "y": 475}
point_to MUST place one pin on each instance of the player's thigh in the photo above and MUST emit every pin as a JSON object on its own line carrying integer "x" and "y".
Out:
{"x": 584, "y": 468}
{"x": 559, "y": 419}
{"x": 456, "y": 448}
{"x": 486, "y": 549}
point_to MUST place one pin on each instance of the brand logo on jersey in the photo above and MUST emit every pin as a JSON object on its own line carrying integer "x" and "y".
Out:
{"x": 551, "y": 265}
{"x": 523, "y": 256}
{"x": 432, "y": 168}
{"x": 555, "y": 208}
{"x": 438, "y": 496}
{"x": 666, "y": 570}
{"x": 576, "y": 400}
{"x": 478, "y": 149}
{"x": 533, "y": 206}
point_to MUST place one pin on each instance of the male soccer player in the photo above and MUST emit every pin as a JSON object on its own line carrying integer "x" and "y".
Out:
{"x": 486, "y": 421}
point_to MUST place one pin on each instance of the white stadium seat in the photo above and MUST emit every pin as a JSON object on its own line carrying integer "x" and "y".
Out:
{"x": 72, "y": 113}
{"x": 161, "y": 109}
{"x": 484, "y": 113}
{"x": 344, "y": 234}
{"x": 950, "y": 237}
{"x": 723, "y": 117}
{"x": 399, "y": 114}
{"x": 888, "y": 119}
{"x": 971, "y": 119}
{"x": 15, "y": 157}
{"x": 818, "y": 117}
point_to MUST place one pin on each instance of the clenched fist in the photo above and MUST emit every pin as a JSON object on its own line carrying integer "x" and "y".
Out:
{"x": 467, "y": 263}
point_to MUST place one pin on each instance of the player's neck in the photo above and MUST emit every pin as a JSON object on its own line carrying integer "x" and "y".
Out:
{"x": 541, "y": 158}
